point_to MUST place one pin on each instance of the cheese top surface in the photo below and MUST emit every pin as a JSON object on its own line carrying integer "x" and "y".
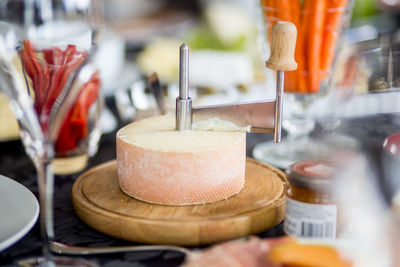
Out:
{"x": 216, "y": 124}
{"x": 158, "y": 133}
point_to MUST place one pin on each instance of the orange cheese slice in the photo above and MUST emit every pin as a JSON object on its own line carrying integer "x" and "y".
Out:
{"x": 158, "y": 164}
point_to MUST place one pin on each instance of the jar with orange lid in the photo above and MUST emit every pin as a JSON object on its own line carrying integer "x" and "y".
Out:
{"x": 311, "y": 210}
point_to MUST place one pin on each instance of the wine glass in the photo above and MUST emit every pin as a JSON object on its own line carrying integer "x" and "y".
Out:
{"x": 319, "y": 25}
{"x": 46, "y": 51}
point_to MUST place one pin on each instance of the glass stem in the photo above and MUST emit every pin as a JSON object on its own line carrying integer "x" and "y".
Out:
{"x": 46, "y": 185}
{"x": 298, "y": 125}
{"x": 298, "y": 128}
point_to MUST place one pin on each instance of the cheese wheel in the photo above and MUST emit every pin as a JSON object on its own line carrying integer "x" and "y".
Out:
{"x": 158, "y": 164}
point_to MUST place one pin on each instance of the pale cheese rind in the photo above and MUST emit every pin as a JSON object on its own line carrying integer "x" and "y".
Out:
{"x": 159, "y": 165}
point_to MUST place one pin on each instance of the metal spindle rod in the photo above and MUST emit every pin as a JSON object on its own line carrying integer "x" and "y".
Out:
{"x": 184, "y": 72}
{"x": 280, "y": 77}
{"x": 183, "y": 102}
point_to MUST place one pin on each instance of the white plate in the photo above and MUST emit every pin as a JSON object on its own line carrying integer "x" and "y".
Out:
{"x": 19, "y": 211}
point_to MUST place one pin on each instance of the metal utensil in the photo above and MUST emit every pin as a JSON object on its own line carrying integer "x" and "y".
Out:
{"x": 156, "y": 90}
{"x": 262, "y": 116}
{"x": 184, "y": 117}
{"x": 60, "y": 248}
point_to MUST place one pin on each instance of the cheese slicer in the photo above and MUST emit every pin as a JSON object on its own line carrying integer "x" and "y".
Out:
{"x": 264, "y": 116}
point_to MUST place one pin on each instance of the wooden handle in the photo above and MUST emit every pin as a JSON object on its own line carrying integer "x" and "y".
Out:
{"x": 283, "y": 43}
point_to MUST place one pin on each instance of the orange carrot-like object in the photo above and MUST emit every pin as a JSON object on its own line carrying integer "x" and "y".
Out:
{"x": 335, "y": 10}
{"x": 300, "y": 81}
{"x": 299, "y": 54}
{"x": 312, "y": 255}
{"x": 283, "y": 13}
{"x": 284, "y": 10}
{"x": 315, "y": 16}
{"x": 269, "y": 15}
{"x": 302, "y": 47}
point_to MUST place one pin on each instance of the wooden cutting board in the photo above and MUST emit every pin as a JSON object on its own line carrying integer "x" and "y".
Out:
{"x": 100, "y": 203}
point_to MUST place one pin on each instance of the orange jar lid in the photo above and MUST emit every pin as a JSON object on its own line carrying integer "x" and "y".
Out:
{"x": 312, "y": 174}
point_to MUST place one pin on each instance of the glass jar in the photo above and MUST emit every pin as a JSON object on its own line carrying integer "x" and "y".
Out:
{"x": 311, "y": 210}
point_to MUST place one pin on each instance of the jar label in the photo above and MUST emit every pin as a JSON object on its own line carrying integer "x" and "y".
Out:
{"x": 310, "y": 220}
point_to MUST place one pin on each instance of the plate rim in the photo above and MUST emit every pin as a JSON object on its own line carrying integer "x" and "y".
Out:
{"x": 28, "y": 225}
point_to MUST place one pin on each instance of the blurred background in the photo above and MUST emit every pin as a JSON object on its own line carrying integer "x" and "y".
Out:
{"x": 227, "y": 64}
{"x": 227, "y": 57}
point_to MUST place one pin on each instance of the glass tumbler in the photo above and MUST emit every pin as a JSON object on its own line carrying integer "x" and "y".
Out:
{"x": 320, "y": 25}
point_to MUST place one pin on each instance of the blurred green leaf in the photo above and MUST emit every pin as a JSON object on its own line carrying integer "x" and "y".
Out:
{"x": 365, "y": 8}
{"x": 204, "y": 38}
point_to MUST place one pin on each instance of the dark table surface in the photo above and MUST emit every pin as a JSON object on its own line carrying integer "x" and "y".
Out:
{"x": 71, "y": 230}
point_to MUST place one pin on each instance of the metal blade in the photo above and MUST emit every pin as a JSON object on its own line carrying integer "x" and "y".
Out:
{"x": 259, "y": 115}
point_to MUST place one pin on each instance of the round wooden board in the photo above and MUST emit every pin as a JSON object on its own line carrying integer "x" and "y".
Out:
{"x": 100, "y": 203}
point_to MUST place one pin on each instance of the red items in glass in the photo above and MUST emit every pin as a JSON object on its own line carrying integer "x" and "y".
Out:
{"x": 49, "y": 71}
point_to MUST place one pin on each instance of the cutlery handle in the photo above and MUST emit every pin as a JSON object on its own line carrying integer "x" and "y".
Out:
{"x": 63, "y": 249}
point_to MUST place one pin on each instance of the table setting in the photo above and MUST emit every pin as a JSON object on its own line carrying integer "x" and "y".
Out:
{"x": 211, "y": 147}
